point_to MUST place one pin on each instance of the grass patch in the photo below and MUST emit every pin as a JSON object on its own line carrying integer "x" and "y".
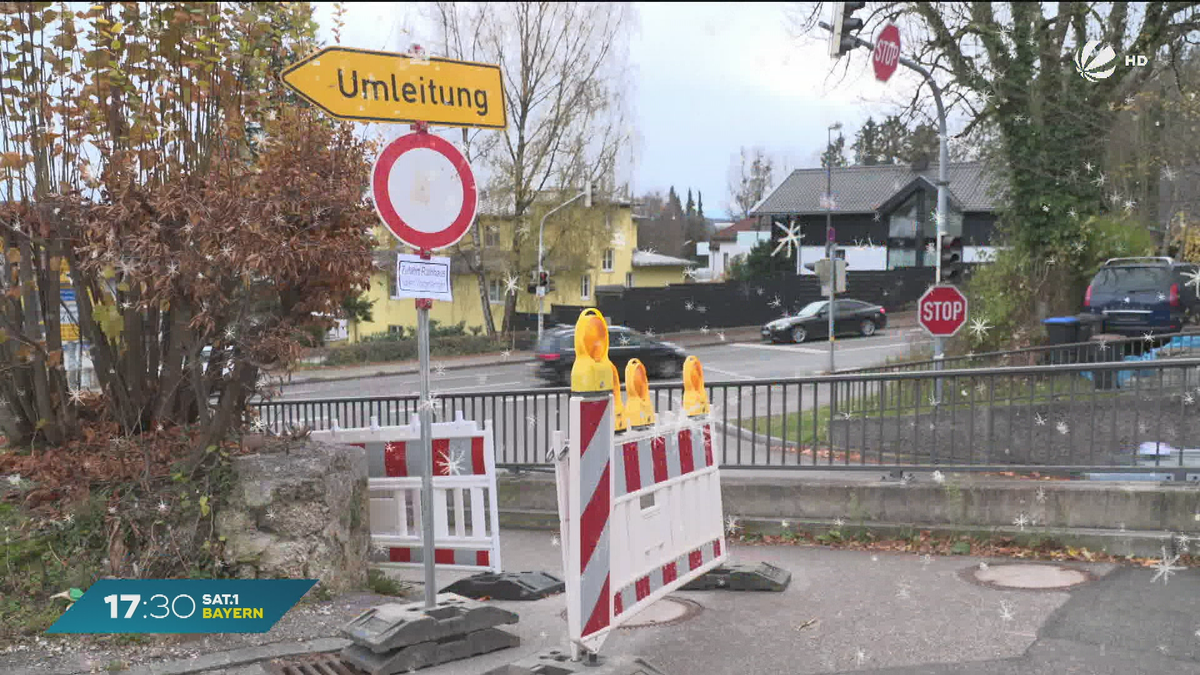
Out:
{"x": 903, "y": 398}
{"x": 382, "y": 584}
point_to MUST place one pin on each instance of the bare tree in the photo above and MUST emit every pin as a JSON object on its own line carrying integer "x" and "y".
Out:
{"x": 750, "y": 177}
{"x": 562, "y": 67}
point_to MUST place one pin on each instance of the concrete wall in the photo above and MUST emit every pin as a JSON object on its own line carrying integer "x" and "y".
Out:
{"x": 1120, "y": 518}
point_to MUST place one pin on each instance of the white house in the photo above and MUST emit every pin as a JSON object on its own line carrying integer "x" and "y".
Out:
{"x": 731, "y": 243}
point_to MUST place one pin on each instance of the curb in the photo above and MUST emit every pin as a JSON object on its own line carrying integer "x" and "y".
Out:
{"x": 407, "y": 370}
{"x": 1145, "y": 544}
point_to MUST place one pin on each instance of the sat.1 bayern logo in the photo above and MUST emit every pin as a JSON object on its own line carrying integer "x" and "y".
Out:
{"x": 1091, "y": 63}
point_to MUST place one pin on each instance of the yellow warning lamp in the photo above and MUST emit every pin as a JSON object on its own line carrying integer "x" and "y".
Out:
{"x": 639, "y": 411}
{"x": 620, "y": 420}
{"x": 592, "y": 371}
{"x": 695, "y": 396}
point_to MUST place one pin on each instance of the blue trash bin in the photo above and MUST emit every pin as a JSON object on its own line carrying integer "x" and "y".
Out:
{"x": 1062, "y": 330}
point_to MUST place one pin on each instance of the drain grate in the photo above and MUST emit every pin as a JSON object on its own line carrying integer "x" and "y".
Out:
{"x": 311, "y": 664}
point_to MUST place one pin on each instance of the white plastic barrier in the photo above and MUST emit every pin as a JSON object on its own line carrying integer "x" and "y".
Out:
{"x": 640, "y": 514}
{"x": 466, "y": 520}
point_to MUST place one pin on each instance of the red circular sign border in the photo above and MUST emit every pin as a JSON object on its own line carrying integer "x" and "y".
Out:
{"x": 966, "y": 308}
{"x": 878, "y": 41}
{"x": 383, "y": 205}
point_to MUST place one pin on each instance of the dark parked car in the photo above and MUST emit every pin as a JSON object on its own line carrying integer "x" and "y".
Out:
{"x": 556, "y": 354}
{"x": 1144, "y": 295}
{"x": 849, "y": 317}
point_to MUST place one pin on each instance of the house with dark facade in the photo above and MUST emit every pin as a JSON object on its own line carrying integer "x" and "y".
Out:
{"x": 884, "y": 215}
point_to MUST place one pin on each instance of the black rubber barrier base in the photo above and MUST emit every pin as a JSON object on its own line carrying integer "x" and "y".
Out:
{"x": 742, "y": 577}
{"x": 508, "y": 586}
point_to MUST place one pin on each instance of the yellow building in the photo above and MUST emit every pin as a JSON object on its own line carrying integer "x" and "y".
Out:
{"x": 586, "y": 249}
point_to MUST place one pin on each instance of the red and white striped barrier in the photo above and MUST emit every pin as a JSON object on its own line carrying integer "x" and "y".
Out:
{"x": 640, "y": 514}
{"x": 466, "y": 523}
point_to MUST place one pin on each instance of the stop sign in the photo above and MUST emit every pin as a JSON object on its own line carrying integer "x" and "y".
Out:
{"x": 887, "y": 52}
{"x": 942, "y": 311}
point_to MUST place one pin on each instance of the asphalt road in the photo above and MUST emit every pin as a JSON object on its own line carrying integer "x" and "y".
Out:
{"x": 722, "y": 363}
{"x": 523, "y": 425}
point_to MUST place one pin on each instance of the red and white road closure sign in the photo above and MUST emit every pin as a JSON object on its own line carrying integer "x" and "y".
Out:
{"x": 424, "y": 191}
{"x": 942, "y": 311}
{"x": 886, "y": 55}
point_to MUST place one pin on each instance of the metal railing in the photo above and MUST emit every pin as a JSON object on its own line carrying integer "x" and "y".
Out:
{"x": 1074, "y": 418}
{"x": 1092, "y": 351}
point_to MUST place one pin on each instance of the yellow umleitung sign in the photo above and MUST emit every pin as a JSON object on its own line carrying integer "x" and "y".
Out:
{"x": 359, "y": 84}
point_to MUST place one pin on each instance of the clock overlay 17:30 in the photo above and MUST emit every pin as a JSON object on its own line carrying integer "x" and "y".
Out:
{"x": 182, "y": 606}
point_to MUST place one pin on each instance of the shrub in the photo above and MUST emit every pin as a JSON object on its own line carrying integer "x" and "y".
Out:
{"x": 1017, "y": 289}
{"x": 381, "y": 351}
{"x": 373, "y": 352}
{"x": 389, "y": 336}
{"x": 436, "y": 330}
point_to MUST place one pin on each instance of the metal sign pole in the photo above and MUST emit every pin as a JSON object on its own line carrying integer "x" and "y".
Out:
{"x": 939, "y": 343}
{"x": 830, "y": 240}
{"x": 425, "y": 411}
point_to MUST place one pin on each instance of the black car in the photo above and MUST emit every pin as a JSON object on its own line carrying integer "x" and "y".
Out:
{"x": 1144, "y": 295}
{"x": 556, "y": 354}
{"x": 849, "y": 317}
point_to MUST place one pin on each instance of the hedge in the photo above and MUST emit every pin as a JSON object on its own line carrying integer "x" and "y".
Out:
{"x": 381, "y": 349}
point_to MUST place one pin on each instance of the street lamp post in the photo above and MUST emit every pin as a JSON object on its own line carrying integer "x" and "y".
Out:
{"x": 829, "y": 236}
{"x": 586, "y": 195}
{"x": 943, "y": 182}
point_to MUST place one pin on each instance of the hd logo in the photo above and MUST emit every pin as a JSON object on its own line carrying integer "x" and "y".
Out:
{"x": 1095, "y": 65}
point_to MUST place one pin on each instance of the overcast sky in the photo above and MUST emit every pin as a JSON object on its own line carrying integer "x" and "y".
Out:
{"x": 707, "y": 78}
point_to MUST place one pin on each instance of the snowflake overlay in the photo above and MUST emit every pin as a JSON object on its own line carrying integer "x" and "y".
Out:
{"x": 1165, "y": 567}
{"x": 790, "y": 242}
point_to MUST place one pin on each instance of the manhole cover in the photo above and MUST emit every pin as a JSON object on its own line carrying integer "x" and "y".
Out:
{"x": 665, "y": 612}
{"x": 1028, "y": 576}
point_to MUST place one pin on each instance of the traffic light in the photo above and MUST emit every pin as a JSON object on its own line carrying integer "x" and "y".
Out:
{"x": 541, "y": 280}
{"x": 844, "y": 25}
{"x": 952, "y": 258}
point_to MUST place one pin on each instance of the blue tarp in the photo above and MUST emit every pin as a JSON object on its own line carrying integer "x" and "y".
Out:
{"x": 1178, "y": 342}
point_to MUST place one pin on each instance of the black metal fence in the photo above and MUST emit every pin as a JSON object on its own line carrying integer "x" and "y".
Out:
{"x": 741, "y": 303}
{"x": 1072, "y": 418}
{"x": 1093, "y": 351}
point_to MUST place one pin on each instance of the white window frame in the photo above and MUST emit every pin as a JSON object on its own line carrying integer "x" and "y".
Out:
{"x": 497, "y": 297}
{"x": 391, "y": 286}
{"x": 585, "y": 287}
{"x": 491, "y": 237}
{"x": 629, "y": 280}
{"x": 606, "y": 260}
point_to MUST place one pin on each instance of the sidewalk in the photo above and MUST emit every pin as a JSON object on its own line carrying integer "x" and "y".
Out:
{"x": 900, "y": 320}
{"x": 845, "y": 611}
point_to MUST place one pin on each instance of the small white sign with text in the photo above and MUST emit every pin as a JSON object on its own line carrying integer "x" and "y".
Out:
{"x": 419, "y": 278}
